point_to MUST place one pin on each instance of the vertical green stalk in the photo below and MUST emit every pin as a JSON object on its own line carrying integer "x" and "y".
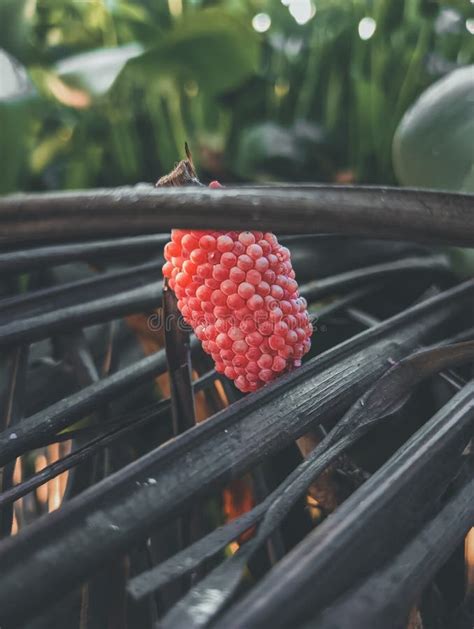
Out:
{"x": 165, "y": 142}
{"x": 124, "y": 141}
{"x": 378, "y": 46}
{"x": 109, "y": 31}
{"x": 407, "y": 91}
{"x": 310, "y": 81}
{"x": 409, "y": 84}
{"x": 178, "y": 130}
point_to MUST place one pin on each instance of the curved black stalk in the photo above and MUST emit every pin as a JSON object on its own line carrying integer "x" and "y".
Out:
{"x": 99, "y": 310}
{"x": 119, "y": 249}
{"x": 378, "y": 212}
{"x": 39, "y": 302}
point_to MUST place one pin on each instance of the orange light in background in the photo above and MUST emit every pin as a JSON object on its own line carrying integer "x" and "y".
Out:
{"x": 70, "y": 96}
{"x": 42, "y": 491}
{"x": 56, "y": 486}
{"x": 14, "y": 524}
{"x": 17, "y": 478}
{"x": 345, "y": 176}
{"x": 233, "y": 547}
{"x": 64, "y": 449}
{"x": 54, "y": 496}
{"x": 221, "y": 392}
{"x": 17, "y": 472}
{"x": 314, "y": 509}
{"x": 237, "y": 498}
{"x": 469, "y": 555}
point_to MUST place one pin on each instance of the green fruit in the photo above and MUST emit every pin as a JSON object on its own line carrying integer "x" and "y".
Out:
{"x": 433, "y": 146}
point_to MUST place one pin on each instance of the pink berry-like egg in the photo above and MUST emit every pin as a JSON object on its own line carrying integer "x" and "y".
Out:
{"x": 238, "y": 291}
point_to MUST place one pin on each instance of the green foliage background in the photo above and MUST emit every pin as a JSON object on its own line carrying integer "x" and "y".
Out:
{"x": 113, "y": 88}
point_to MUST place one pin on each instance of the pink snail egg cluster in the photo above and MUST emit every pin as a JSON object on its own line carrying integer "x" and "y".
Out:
{"x": 238, "y": 292}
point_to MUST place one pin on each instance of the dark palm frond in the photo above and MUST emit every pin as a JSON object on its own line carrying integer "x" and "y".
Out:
{"x": 376, "y": 405}
{"x": 178, "y": 356}
{"x": 386, "y": 387}
{"x": 98, "y": 311}
{"x": 37, "y": 315}
{"x": 216, "y": 451}
{"x": 95, "y": 439}
{"x": 64, "y": 413}
{"x": 434, "y": 266}
{"x": 38, "y": 302}
{"x": 313, "y": 256}
{"x": 76, "y": 355}
{"x": 371, "y": 517}
{"x": 117, "y": 249}
{"x": 384, "y": 597}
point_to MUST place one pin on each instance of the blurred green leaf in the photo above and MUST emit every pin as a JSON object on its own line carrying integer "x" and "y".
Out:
{"x": 137, "y": 21}
{"x": 267, "y": 149}
{"x": 434, "y": 143}
{"x": 15, "y": 27}
{"x": 271, "y": 151}
{"x": 15, "y": 138}
{"x": 16, "y": 100}
{"x": 214, "y": 49}
{"x": 96, "y": 71}
{"x": 15, "y": 82}
{"x": 462, "y": 260}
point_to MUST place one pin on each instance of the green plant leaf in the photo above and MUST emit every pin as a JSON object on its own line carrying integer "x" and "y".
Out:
{"x": 270, "y": 151}
{"x": 96, "y": 71}
{"x": 15, "y": 27}
{"x": 15, "y": 82}
{"x": 214, "y": 49}
{"x": 17, "y": 98}
{"x": 434, "y": 143}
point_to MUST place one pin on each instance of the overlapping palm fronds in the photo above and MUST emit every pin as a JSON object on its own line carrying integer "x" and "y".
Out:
{"x": 388, "y": 384}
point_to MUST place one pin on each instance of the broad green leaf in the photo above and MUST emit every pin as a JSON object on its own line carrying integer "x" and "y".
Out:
{"x": 267, "y": 150}
{"x": 96, "y": 71}
{"x": 17, "y": 97}
{"x": 14, "y": 78}
{"x": 434, "y": 143}
{"x": 271, "y": 151}
{"x": 15, "y": 27}
{"x": 16, "y": 125}
{"x": 214, "y": 49}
